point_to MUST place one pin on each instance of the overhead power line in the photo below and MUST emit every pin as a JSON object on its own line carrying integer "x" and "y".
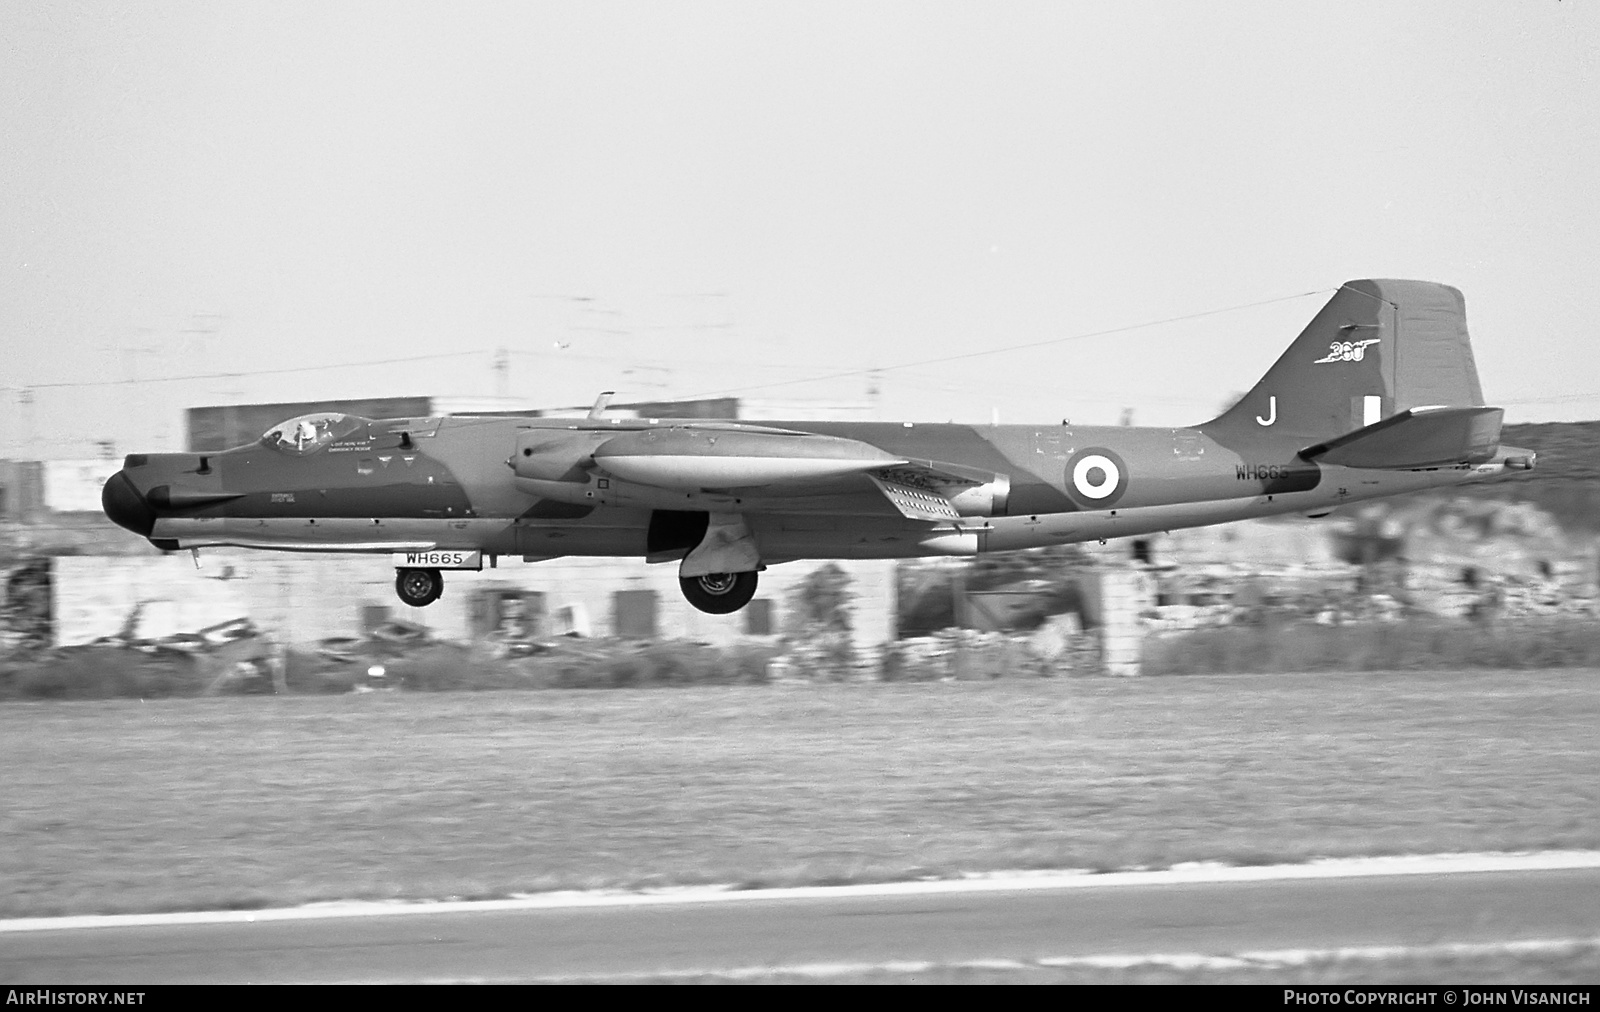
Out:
{"x": 848, "y": 373}
{"x": 240, "y": 374}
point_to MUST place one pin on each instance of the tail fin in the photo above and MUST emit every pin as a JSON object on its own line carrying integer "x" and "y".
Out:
{"x": 1376, "y": 349}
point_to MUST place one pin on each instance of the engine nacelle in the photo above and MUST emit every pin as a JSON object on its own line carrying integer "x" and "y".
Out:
{"x": 560, "y": 455}
{"x": 691, "y": 460}
{"x": 971, "y": 492}
{"x": 986, "y": 500}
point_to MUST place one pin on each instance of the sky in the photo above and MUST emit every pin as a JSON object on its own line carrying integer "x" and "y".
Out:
{"x": 937, "y": 211}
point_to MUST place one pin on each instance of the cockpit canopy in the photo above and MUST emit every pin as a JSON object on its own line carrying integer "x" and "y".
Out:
{"x": 309, "y": 433}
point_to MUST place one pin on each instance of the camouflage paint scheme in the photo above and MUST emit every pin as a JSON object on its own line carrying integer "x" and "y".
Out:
{"x": 1378, "y": 396}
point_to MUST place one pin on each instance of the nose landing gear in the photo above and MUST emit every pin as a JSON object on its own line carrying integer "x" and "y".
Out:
{"x": 418, "y": 587}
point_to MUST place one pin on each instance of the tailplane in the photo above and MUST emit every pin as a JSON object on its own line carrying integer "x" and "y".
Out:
{"x": 1377, "y": 349}
{"x": 1415, "y": 438}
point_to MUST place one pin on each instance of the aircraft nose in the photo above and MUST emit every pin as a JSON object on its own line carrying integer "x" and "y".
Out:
{"x": 125, "y": 506}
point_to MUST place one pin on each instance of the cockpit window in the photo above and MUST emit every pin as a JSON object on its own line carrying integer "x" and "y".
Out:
{"x": 308, "y": 433}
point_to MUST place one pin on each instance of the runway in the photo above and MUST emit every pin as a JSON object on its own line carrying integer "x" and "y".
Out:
{"x": 1103, "y": 919}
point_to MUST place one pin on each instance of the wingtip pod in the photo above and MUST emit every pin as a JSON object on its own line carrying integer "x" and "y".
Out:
{"x": 1379, "y": 347}
{"x": 1520, "y": 460}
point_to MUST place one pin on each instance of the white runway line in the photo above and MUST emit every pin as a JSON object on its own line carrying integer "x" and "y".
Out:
{"x": 1185, "y": 961}
{"x": 990, "y": 882}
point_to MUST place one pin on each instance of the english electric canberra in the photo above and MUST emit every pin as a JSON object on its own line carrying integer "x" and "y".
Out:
{"x": 1378, "y": 396}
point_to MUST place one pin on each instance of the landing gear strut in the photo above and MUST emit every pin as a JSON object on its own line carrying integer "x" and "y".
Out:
{"x": 418, "y": 587}
{"x": 719, "y": 593}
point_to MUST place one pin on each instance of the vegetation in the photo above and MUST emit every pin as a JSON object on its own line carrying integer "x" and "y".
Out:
{"x": 1413, "y": 645}
{"x": 818, "y": 637}
{"x": 102, "y": 672}
{"x": 112, "y": 671}
{"x": 657, "y": 664}
{"x": 819, "y": 654}
{"x": 231, "y": 802}
{"x": 822, "y": 599}
{"x": 1566, "y": 483}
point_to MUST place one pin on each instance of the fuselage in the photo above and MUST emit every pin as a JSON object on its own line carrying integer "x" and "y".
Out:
{"x": 454, "y": 483}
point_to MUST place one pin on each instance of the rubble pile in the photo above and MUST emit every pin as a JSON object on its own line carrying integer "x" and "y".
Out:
{"x": 1461, "y": 558}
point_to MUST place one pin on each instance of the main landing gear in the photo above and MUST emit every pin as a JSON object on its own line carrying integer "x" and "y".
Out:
{"x": 719, "y": 593}
{"x": 418, "y": 587}
{"x": 713, "y": 593}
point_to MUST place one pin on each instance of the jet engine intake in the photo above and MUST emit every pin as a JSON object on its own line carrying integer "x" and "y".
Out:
{"x": 555, "y": 454}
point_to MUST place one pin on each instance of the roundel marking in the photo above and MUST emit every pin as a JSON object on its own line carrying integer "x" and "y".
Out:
{"x": 1096, "y": 477}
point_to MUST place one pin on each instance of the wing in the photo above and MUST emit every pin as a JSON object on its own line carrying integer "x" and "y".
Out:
{"x": 730, "y": 467}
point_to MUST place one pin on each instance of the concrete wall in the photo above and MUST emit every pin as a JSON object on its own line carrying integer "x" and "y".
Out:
{"x": 304, "y": 598}
{"x": 73, "y": 486}
{"x": 21, "y": 490}
{"x": 1123, "y": 594}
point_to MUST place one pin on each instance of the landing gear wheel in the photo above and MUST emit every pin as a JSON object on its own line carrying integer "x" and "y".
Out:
{"x": 719, "y": 593}
{"x": 418, "y": 587}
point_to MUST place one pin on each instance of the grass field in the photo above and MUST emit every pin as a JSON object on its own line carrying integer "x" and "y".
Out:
{"x": 251, "y": 801}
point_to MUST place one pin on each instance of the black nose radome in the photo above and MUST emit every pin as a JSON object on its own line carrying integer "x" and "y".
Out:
{"x": 126, "y": 507}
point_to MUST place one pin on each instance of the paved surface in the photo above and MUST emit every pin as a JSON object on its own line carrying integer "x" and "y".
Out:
{"x": 821, "y": 929}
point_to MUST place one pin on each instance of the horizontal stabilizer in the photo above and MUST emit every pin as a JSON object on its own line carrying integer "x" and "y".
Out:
{"x": 1416, "y": 437}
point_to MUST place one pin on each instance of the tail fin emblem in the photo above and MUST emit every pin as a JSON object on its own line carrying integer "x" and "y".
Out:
{"x": 1346, "y": 351}
{"x": 1272, "y": 411}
